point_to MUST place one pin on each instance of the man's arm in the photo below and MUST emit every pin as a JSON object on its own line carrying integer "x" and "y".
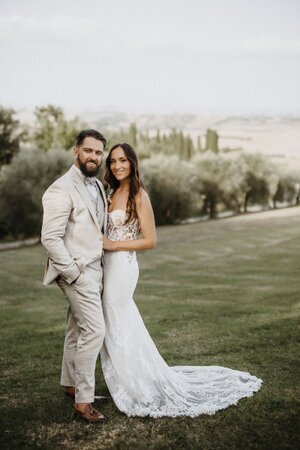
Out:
{"x": 57, "y": 206}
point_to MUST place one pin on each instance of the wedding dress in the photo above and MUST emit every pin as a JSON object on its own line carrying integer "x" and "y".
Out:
{"x": 138, "y": 378}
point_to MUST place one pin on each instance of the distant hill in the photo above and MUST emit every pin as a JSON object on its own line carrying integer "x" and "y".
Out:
{"x": 276, "y": 136}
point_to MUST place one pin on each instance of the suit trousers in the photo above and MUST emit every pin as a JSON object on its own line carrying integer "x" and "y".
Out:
{"x": 85, "y": 333}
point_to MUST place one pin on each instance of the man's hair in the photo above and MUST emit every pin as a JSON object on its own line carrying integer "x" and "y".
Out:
{"x": 89, "y": 133}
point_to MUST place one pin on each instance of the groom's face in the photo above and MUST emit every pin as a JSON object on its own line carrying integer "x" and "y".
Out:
{"x": 88, "y": 156}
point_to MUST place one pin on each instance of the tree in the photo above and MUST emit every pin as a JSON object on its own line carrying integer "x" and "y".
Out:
{"x": 53, "y": 130}
{"x": 20, "y": 203}
{"x": 171, "y": 186}
{"x": 188, "y": 148}
{"x": 286, "y": 190}
{"x": 199, "y": 146}
{"x": 157, "y": 136}
{"x": 132, "y": 135}
{"x": 47, "y": 121}
{"x": 212, "y": 140}
{"x": 261, "y": 179}
{"x": 10, "y": 135}
{"x": 212, "y": 180}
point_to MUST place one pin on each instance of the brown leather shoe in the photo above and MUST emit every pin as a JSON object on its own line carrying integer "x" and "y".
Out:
{"x": 90, "y": 414}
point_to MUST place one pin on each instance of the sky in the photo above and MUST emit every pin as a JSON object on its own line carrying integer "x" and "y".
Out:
{"x": 159, "y": 56}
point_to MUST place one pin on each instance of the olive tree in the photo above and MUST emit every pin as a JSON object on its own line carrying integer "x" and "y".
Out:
{"x": 22, "y": 184}
{"x": 171, "y": 184}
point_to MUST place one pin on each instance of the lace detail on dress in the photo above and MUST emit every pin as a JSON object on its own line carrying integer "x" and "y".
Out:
{"x": 139, "y": 380}
{"x": 118, "y": 230}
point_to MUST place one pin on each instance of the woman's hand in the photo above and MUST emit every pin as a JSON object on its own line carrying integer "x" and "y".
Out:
{"x": 109, "y": 245}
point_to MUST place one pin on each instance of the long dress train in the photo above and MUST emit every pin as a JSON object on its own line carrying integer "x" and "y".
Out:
{"x": 138, "y": 378}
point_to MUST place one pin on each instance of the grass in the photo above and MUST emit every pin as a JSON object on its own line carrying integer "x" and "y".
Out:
{"x": 218, "y": 293}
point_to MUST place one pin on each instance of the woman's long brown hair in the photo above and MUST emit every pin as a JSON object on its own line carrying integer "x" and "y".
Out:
{"x": 135, "y": 181}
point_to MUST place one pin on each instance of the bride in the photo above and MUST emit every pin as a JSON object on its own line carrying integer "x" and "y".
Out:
{"x": 139, "y": 380}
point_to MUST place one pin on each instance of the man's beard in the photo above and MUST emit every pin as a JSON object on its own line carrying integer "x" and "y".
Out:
{"x": 88, "y": 172}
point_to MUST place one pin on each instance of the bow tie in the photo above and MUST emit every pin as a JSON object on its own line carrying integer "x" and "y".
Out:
{"x": 90, "y": 180}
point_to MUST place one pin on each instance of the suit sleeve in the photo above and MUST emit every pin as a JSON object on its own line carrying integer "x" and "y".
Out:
{"x": 57, "y": 206}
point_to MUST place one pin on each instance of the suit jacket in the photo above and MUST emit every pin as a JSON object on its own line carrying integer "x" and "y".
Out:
{"x": 70, "y": 233}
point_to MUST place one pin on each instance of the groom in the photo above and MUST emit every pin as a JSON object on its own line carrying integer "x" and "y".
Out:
{"x": 75, "y": 216}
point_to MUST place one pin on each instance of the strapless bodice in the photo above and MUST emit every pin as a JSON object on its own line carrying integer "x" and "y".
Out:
{"x": 118, "y": 230}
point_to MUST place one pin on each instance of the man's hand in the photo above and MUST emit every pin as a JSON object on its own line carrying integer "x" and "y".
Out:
{"x": 109, "y": 245}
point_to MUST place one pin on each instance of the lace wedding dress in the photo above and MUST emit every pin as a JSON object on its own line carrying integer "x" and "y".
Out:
{"x": 138, "y": 378}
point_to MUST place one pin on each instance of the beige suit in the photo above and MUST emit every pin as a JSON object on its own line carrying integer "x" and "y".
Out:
{"x": 70, "y": 233}
{"x": 72, "y": 237}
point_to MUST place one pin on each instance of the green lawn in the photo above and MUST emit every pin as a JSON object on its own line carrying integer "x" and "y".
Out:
{"x": 223, "y": 292}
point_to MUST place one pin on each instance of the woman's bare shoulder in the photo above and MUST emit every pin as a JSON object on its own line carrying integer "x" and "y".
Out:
{"x": 142, "y": 197}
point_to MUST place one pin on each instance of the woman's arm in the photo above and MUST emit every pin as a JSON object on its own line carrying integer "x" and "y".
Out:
{"x": 147, "y": 225}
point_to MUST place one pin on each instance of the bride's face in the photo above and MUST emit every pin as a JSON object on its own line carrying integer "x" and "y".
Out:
{"x": 119, "y": 164}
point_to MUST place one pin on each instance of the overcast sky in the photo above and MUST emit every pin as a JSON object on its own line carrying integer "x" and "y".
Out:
{"x": 236, "y": 56}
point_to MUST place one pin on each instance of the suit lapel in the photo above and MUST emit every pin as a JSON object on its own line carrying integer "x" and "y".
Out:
{"x": 80, "y": 186}
{"x": 100, "y": 185}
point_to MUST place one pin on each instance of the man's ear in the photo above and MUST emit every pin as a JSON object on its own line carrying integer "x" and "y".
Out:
{"x": 75, "y": 150}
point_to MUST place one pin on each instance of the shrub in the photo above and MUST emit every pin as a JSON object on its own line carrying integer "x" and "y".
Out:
{"x": 170, "y": 183}
{"x": 22, "y": 184}
{"x": 218, "y": 181}
{"x": 261, "y": 179}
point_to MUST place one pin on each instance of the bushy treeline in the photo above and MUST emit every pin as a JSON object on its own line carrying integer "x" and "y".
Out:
{"x": 183, "y": 179}
{"x": 211, "y": 183}
{"x": 205, "y": 185}
{"x": 22, "y": 184}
